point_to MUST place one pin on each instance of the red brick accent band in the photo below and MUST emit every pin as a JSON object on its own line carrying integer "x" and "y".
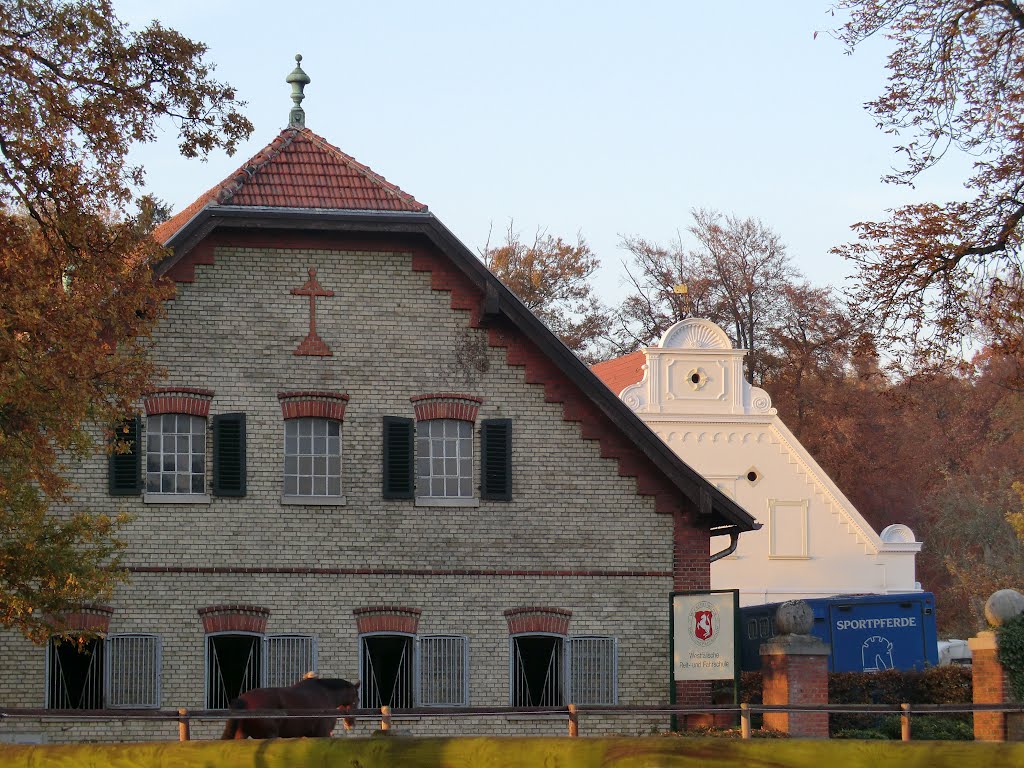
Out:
{"x": 234, "y": 618}
{"x": 85, "y": 618}
{"x": 446, "y": 405}
{"x": 387, "y": 618}
{"x": 189, "y": 400}
{"x": 538, "y": 619}
{"x": 502, "y": 573}
{"x": 322, "y": 405}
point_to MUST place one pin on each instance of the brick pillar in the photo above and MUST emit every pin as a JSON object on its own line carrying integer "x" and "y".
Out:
{"x": 794, "y": 670}
{"x": 691, "y": 570}
{"x": 992, "y": 686}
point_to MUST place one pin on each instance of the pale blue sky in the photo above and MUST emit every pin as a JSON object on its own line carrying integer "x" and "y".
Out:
{"x": 606, "y": 118}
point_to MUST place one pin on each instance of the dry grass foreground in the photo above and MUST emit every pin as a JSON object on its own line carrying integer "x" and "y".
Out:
{"x": 511, "y": 752}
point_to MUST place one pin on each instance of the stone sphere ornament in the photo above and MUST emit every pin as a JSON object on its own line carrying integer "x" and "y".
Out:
{"x": 794, "y": 617}
{"x": 1004, "y": 605}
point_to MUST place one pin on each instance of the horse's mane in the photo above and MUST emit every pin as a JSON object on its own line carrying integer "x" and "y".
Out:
{"x": 332, "y": 683}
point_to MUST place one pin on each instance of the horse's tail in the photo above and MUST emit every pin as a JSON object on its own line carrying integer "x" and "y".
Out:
{"x": 233, "y": 728}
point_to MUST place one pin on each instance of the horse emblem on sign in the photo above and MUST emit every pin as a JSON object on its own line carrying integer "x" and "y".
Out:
{"x": 704, "y": 622}
{"x": 703, "y": 629}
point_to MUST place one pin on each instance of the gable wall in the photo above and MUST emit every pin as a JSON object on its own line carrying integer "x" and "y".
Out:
{"x": 577, "y": 534}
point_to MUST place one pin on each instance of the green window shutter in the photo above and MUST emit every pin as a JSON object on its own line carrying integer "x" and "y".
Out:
{"x": 124, "y": 470}
{"x": 229, "y": 454}
{"x": 398, "y": 458}
{"x": 496, "y": 459}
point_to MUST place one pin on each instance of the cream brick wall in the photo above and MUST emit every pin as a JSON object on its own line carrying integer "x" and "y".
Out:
{"x": 234, "y": 330}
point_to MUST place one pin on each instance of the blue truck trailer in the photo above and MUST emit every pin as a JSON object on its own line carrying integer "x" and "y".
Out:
{"x": 866, "y": 633}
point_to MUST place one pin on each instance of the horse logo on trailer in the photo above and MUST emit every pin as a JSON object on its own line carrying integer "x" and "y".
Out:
{"x": 703, "y": 623}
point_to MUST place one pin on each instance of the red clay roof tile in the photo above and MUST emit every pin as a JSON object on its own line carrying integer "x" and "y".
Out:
{"x": 299, "y": 169}
{"x": 619, "y": 373}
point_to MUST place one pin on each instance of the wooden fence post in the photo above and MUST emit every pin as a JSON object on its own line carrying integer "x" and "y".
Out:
{"x": 744, "y": 720}
{"x": 905, "y": 722}
{"x": 574, "y": 721}
{"x": 183, "y": 725}
{"x": 385, "y": 718}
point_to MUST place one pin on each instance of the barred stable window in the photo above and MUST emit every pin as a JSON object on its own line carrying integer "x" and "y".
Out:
{"x": 288, "y": 659}
{"x": 386, "y": 671}
{"x": 132, "y": 671}
{"x": 176, "y": 454}
{"x": 312, "y": 457}
{"x": 537, "y": 670}
{"x": 234, "y": 665}
{"x": 74, "y": 674}
{"x": 594, "y": 669}
{"x": 237, "y": 662}
{"x": 444, "y": 459}
{"x": 443, "y": 671}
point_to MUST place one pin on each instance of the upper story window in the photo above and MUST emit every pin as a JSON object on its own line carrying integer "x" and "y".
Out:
{"x": 175, "y": 444}
{"x": 312, "y": 447}
{"x": 176, "y": 454}
{"x": 432, "y": 458}
{"x": 444, "y": 459}
{"x": 312, "y": 457}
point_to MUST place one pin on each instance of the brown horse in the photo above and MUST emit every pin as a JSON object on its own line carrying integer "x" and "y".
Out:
{"x": 309, "y": 693}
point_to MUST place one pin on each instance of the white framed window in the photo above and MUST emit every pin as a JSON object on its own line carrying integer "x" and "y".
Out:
{"x": 537, "y": 670}
{"x": 788, "y": 530}
{"x": 132, "y": 671}
{"x": 594, "y": 669}
{"x": 444, "y": 459}
{"x": 312, "y": 460}
{"x": 443, "y": 671}
{"x": 175, "y": 455}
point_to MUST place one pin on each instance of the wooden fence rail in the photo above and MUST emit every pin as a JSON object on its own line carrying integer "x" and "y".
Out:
{"x": 573, "y": 713}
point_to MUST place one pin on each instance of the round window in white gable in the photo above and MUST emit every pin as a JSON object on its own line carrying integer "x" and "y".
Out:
{"x": 697, "y": 379}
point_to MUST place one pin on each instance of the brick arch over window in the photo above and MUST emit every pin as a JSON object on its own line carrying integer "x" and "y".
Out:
{"x": 85, "y": 618}
{"x": 234, "y": 618}
{"x": 387, "y": 618}
{"x": 538, "y": 619}
{"x": 323, "y": 405}
{"x": 187, "y": 400}
{"x": 446, "y": 405}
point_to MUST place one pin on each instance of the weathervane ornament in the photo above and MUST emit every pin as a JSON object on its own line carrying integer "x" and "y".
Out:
{"x": 298, "y": 80}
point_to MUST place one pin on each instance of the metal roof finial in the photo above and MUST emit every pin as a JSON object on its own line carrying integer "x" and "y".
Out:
{"x": 299, "y": 80}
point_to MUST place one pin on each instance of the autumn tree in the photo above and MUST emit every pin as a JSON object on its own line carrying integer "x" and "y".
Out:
{"x": 77, "y": 296}
{"x": 735, "y": 275}
{"x": 552, "y": 278}
{"x": 940, "y": 270}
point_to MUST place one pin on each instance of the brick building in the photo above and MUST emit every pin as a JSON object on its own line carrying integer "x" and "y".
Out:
{"x": 369, "y": 459}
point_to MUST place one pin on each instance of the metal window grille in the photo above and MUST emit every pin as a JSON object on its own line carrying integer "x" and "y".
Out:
{"x": 386, "y": 671}
{"x": 537, "y": 671}
{"x": 312, "y": 457}
{"x": 443, "y": 671}
{"x": 74, "y": 674}
{"x": 233, "y": 666}
{"x": 594, "y": 663}
{"x": 132, "y": 671}
{"x": 175, "y": 453}
{"x": 288, "y": 658}
{"x": 444, "y": 458}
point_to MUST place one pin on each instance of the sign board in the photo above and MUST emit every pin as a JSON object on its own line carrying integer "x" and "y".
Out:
{"x": 703, "y": 627}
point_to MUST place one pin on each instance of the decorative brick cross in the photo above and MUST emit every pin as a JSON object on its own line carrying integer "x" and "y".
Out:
{"x": 312, "y": 344}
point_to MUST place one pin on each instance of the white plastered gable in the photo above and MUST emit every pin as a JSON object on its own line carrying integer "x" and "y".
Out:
{"x": 813, "y": 541}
